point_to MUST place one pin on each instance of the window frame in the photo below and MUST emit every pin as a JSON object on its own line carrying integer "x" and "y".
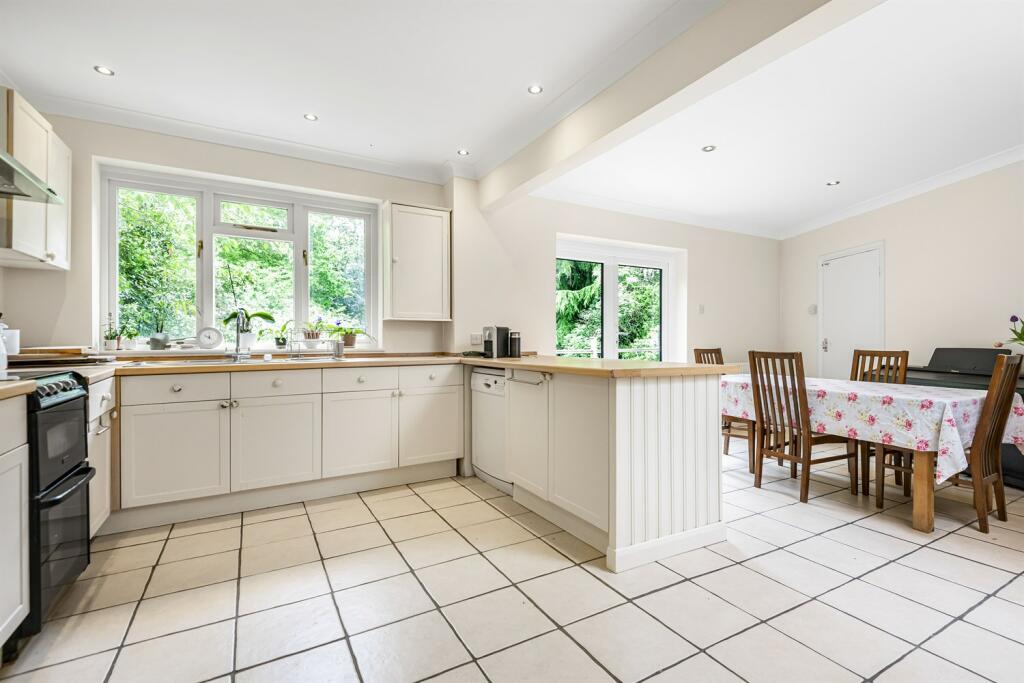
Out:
{"x": 611, "y": 255}
{"x": 209, "y": 193}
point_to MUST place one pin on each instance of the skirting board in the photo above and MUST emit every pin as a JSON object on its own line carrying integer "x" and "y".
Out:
{"x": 621, "y": 559}
{"x": 583, "y": 530}
{"x": 131, "y": 519}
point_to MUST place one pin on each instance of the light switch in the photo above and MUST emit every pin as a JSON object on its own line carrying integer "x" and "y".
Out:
{"x": 476, "y": 339}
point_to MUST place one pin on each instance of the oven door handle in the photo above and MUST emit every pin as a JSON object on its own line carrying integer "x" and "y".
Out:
{"x": 68, "y": 488}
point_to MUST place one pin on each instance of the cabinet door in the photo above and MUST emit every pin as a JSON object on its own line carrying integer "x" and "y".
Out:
{"x": 14, "y": 595}
{"x": 275, "y": 440}
{"x": 30, "y": 142}
{"x": 360, "y": 432}
{"x": 420, "y": 263}
{"x": 58, "y": 177}
{"x": 99, "y": 486}
{"x": 175, "y": 451}
{"x": 527, "y": 431}
{"x": 578, "y": 472}
{"x": 429, "y": 425}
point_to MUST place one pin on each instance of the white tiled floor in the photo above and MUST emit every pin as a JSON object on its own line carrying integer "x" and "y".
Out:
{"x": 453, "y": 581}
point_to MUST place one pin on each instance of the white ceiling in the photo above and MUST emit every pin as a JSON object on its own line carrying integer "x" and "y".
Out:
{"x": 908, "y": 96}
{"x": 399, "y": 85}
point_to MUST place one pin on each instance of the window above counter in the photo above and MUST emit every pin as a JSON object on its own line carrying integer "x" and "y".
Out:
{"x": 180, "y": 253}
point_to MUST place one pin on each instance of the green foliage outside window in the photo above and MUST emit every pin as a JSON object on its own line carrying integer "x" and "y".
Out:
{"x": 254, "y": 274}
{"x": 578, "y": 311}
{"x": 639, "y": 313}
{"x": 337, "y": 269}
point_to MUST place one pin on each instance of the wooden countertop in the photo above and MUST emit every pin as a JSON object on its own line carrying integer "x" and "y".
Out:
{"x": 91, "y": 373}
{"x": 601, "y": 367}
{"x": 14, "y": 388}
{"x": 552, "y": 364}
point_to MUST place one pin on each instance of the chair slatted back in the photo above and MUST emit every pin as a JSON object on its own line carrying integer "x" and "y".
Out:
{"x": 780, "y": 402}
{"x": 708, "y": 356}
{"x": 984, "y": 455}
{"x": 880, "y": 366}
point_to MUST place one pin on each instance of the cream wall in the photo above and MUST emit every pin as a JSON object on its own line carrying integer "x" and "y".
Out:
{"x": 954, "y": 266}
{"x": 505, "y": 272}
{"x": 62, "y": 308}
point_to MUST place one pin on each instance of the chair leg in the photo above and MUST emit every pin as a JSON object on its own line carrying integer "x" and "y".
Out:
{"x": 879, "y": 477}
{"x": 897, "y": 475}
{"x": 792, "y": 469}
{"x": 1000, "y": 493}
{"x": 865, "y": 466}
{"x": 906, "y": 476}
{"x": 981, "y": 503}
{"x": 725, "y": 447}
{"x": 750, "y": 448}
{"x": 851, "y": 465}
{"x": 758, "y": 465}
{"x": 805, "y": 476}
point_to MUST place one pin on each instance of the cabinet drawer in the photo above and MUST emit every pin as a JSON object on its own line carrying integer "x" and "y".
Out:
{"x": 101, "y": 398}
{"x": 414, "y": 376}
{"x": 280, "y": 383}
{"x": 13, "y": 423}
{"x": 175, "y": 388}
{"x": 360, "y": 379}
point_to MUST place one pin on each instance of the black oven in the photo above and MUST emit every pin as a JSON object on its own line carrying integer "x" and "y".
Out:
{"x": 59, "y": 477}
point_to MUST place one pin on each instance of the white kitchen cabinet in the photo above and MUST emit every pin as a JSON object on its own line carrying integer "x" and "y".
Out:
{"x": 429, "y": 425}
{"x": 35, "y": 234}
{"x": 420, "y": 264}
{"x": 578, "y": 464}
{"x": 99, "y": 443}
{"x": 14, "y": 554}
{"x": 275, "y": 440}
{"x": 175, "y": 451}
{"x": 58, "y": 177}
{"x": 527, "y": 429}
{"x": 360, "y": 432}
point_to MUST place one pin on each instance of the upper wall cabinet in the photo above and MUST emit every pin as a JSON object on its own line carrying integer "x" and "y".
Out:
{"x": 420, "y": 264}
{"x": 35, "y": 234}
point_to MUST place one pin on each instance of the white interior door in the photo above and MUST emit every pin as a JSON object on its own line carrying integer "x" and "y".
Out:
{"x": 852, "y": 312}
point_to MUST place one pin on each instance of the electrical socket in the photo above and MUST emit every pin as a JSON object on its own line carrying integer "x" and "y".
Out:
{"x": 476, "y": 339}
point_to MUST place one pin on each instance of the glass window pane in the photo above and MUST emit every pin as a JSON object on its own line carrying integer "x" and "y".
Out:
{"x": 337, "y": 269}
{"x": 579, "y": 310}
{"x": 254, "y": 274}
{"x": 639, "y": 313}
{"x": 156, "y": 264}
{"x": 256, "y": 215}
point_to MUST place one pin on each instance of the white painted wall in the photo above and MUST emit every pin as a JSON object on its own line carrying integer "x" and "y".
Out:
{"x": 954, "y": 266}
{"x": 505, "y": 272}
{"x": 62, "y": 308}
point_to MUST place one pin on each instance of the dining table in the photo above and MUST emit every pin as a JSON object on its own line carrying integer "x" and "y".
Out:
{"x": 936, "y": 423}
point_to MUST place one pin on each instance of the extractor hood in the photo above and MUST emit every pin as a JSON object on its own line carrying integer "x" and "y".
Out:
{"x": 20, "y": 183}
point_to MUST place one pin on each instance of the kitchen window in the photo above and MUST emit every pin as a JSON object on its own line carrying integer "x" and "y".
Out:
{"x": 183, "y": 253}
{"x": 611, "y": 300}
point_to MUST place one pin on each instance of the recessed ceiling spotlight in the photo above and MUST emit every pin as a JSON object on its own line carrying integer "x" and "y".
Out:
{"x": 462, "y": 152}
{"x": 535, "y": 89}
{"x": 311, "y": 117}
{"x": 103, "y": 70}
{"x": 708, "y": 148}
{"x": 832, "y": 183}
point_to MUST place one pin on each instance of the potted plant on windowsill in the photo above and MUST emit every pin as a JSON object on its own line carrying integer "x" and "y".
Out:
{"x": 279, "y": 334}
{"x": 347, "y": 334}
{"x": 128, "y": 336}
{"x": 247, "y": 338}
{"x": 111, "y": 334}
{"x": 312, "y": 331}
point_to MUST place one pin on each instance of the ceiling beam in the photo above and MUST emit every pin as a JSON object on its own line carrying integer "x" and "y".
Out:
{"x": 730, "y": 43}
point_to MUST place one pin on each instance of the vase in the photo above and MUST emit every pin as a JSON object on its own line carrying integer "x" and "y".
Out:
{"x": 247, "y": 340}
{"x": 158, "y": 341}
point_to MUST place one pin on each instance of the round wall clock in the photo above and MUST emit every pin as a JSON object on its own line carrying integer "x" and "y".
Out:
{"x": 209, "y": 338}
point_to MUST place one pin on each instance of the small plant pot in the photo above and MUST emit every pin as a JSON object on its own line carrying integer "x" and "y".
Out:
{"x": 349, "y": 339}
{"x": 281, "y": 342}
{"x": 158, "y": 341}
{"x": 247, "y": 340}
{"x": 110, "y": 345}
{"x": 128, "y": 344}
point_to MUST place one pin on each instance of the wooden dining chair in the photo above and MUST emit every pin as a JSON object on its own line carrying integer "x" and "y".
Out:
{"x": 983, "y": 457}
{"x": 889, "y": 367}
{"x": 783, "y": 426}
{"x": 730, "y": 427}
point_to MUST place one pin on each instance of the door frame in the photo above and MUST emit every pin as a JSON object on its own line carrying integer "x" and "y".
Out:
{"x": 878, "y": 246}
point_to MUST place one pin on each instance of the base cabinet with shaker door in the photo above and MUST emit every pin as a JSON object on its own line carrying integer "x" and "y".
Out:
{"x": 275, "y": 440}
{"x": 14, "y": 548}
{"x": 527, "y": 429}
{"x": 430, "y": 424}
{"x": 100, "y": 442}
{"x": 174, "y": 451}
{"x": 360, "y": 432}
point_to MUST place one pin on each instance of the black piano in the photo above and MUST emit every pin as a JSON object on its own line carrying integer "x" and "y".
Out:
{"x": 970, "y": 369}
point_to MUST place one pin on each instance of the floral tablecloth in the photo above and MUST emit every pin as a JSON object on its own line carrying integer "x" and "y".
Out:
{"x": 940, "y": 419}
